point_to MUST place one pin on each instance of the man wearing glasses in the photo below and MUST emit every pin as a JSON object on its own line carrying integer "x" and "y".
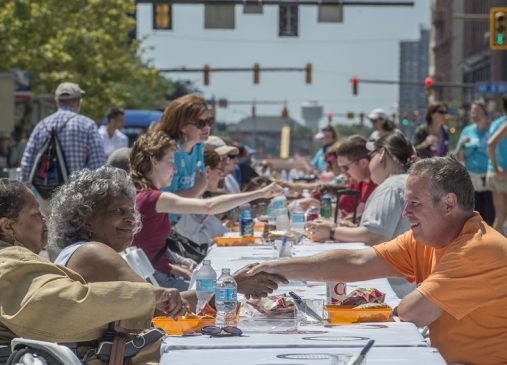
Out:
{"x": 352, "y": 159}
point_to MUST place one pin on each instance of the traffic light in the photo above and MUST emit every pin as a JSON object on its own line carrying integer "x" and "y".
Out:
{"x": 308, "y": 71}
{"x": 354, "y": 81}
{"x": 256, "y": 73}
{"x": 428, "y": 82}
{"x": 285, "y": 113}
{"x": 205, "y": 75}
{"x": 405, "y": 120}
{"x": 498, "y": 28}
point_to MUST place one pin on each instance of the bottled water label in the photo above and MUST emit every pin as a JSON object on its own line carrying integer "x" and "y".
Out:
{"x": 226, "y": 295}
{"x": 207, "y": 285}
{"x": 298, "y": 218}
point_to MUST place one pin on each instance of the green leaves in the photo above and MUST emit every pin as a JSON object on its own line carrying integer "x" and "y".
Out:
{"x": 83, "y": 41}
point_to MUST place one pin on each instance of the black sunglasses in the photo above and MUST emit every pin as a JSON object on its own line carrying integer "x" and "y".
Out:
{"x": 201, "y": 123}
{"x": 372, "y": 153}
{"x": 226, "y": 331}
{"x": 345, "y": 167}
{"x": 443, "y": 112}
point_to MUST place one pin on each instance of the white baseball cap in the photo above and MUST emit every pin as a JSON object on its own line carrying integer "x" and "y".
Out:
{"x": 220, "y": 147}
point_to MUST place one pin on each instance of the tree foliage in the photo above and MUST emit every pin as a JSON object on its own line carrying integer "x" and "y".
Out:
{"x": 83, "y": 41}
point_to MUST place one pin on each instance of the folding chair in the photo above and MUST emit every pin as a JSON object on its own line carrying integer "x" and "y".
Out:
{"x": 339, "y": 193}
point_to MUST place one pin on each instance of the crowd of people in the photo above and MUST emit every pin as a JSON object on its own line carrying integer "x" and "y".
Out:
{"x": 425, "y": 213}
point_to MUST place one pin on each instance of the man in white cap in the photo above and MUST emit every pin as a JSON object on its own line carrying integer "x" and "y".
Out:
{"x": 229, "y": 156}
{"x": 80, "y": 141}
{"x": 380, "y": 123}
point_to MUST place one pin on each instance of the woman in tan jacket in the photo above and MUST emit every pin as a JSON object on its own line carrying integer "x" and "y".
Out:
{"x": 47, "y": 302}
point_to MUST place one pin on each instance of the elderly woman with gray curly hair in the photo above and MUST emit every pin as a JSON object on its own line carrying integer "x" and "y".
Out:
{"x": 93, "y": 217}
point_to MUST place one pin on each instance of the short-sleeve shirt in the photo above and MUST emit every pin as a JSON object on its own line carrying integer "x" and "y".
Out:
{"x": 155, "y": 229}
{"x": 365, "y": 189}
{"x": 80, "y": 141}
{"x": 501, "y": 147}
{"x": 467, "y": 280}
{"x": 476, "y": 157}
{"x": 186, "y": 167}
{"x": 383, "y": 210}
{"x": 111, "y": 144}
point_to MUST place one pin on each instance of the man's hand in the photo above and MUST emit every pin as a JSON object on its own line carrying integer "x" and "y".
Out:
{"x": 257, "y": 285}
{"x": 169, "y": 302}
{"x": 180, "y": 271}
{"x": 189, "y": 264}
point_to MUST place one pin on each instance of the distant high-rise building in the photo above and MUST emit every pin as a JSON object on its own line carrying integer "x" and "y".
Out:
{"x": 414, "y": 65}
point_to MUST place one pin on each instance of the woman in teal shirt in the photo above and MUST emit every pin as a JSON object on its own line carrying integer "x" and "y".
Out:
{"x": 472, "y": 149}
{"x": 497, "y": 168}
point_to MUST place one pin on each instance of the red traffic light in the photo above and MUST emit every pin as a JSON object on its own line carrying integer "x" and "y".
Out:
{"x": 428, "y": 82}
{"x": 354, "y": 81}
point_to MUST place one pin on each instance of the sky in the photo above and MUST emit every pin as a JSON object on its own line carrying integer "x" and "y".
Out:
{"x": 365, "y": 45}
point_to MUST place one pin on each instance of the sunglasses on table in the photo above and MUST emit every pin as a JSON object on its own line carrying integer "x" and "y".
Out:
{"x": 201, "y": 123}
{"x": 215, "y": 331}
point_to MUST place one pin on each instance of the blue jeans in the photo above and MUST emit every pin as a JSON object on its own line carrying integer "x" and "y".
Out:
{"x": 169, "y": 281}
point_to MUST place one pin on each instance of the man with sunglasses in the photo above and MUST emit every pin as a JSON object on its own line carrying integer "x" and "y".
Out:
{"x": 352, "y": 158}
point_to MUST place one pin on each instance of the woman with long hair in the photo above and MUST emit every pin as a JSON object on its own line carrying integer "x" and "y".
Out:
{"x": 432, "y": 138}
{"x": 390, "y": 157}
{"x": 152, "y": 167}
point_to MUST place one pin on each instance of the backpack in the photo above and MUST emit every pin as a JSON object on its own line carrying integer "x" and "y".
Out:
{"x": 49, "y": 170}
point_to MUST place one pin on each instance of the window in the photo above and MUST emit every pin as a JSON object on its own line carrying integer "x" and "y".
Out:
{"x": 288, "y": 21}
{"x": 162, "y": 16}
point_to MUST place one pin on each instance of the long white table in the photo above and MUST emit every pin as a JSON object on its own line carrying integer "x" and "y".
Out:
{"x": 302, "y": 356}
{"x": 395, "y": 342}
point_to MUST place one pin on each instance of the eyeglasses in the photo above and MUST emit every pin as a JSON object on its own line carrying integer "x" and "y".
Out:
{"x": 201, "y": 123}
{"x": 443, "y": 112}
{"x": 215, "y": 331}
{"x": 345, "y": 167}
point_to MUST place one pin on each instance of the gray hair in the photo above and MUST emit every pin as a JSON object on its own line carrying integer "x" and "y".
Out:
{"x": 446, "y": 175}
{"x": 74, "y": 203}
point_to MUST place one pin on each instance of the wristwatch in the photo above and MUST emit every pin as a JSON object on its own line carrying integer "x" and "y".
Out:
{"x": 331, "y": 233}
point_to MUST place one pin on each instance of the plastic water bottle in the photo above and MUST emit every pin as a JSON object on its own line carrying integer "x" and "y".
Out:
{"x": 283, "y": 175}
{"x": 298, "y": 219}
{"x": 226, "y": 299}
{"x": 271, "y": 214}
{"x": 205, "y": 280}
{"x": 282, "y": 220}
{"x": 245, "y": 220}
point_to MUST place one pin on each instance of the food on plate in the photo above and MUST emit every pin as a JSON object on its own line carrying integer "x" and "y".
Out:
{"x": 234, "y": 241}
{"x": 363, "y": 296}
{"x": 274, "y": 305}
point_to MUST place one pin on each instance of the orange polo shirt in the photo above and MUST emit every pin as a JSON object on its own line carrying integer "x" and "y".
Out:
{"x": 468, "y": 281}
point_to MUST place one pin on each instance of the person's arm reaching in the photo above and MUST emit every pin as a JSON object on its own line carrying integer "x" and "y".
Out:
{"x": 171, "y": 203}
{"x": 346, "y": 265}
{"x": 323, "y": 232}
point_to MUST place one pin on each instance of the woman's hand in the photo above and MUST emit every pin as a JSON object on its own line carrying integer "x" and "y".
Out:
{"x": 169, "y": 302}
{"x": 319, "y": 231}
{"x": 272, "y": 190}
{"x": 180, "y": 271}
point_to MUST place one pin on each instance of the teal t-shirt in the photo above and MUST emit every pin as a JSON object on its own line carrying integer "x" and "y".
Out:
{"x": 476, "y": 157}
{"x": 501, "y": 147}
{"x": 186, "y": 167}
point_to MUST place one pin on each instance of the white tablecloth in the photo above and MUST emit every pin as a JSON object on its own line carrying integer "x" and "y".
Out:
{"x": 302, "y": 356}
{"x": 385, "y": 334}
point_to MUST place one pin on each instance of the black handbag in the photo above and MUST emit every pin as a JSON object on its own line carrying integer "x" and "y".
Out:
{"x": 183, "y": 246}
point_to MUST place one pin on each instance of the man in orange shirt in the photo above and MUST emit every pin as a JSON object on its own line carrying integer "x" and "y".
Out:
{"x": 458, "y": 262}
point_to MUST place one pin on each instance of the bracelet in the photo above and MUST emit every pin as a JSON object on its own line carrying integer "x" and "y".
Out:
{"x": 331, "y": 233}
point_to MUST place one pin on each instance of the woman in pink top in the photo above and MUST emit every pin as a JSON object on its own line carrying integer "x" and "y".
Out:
{"x": 152, "y": 167}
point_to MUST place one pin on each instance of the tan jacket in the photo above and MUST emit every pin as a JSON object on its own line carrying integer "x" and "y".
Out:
{"x": 47, "y": 302}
